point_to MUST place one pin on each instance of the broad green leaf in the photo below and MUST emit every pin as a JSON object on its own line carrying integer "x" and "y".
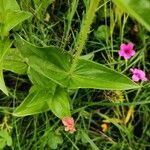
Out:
{"x": 14, "y": 62}
{"x": 56, "y": 56}
{"x": 49, "y": 70}
{"x": 139, "y": 9}
{"x": 59, "y": 104}
{"x": 35, "y": 102}
{"x": 89, "y": 74}
{"x": 51, "y": 62}
{"x": 55, "y": 64}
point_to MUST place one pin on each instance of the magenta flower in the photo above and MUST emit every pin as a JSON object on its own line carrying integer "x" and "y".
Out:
{"x": 68, "y": 122}
{"x": 126, "y": 50}
{"x": 138, "y": 75}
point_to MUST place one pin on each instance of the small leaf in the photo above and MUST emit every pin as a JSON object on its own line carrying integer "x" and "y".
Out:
{"x": 54, "y": 140}
{"x": 88, "y": 56}
{"x": 59, "y": 104}
{"x": 5, "y": 138}
{"x": 102, "y": 32}
{"x": 139, "y": 9}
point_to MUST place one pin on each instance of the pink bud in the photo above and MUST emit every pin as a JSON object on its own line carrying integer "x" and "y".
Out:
{"x": 68, "y": 122}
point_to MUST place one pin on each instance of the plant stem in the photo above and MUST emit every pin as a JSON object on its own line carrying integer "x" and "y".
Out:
{"x": 84, "y": 31}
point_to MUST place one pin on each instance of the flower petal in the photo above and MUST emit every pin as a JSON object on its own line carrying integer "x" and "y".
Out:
{"x": 121, "y": 53}
{"x": 130, "y": 45}
{"x": 138, "y": 74}
{"x": 132, "y": 52}
{"x": 123, "y": 46}
{"x": 135, "y": 78}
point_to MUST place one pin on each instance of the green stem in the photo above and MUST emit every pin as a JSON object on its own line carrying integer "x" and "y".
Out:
{"x": 84, "y": 31}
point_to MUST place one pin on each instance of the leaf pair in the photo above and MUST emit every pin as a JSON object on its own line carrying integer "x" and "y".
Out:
{"x": 55, "y": 64}
{"x": 44, "y": 95}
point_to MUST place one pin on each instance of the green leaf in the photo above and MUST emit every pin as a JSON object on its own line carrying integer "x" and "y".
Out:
{"x": 13, "y": 18}
{"x": 51, "y": 62}
{"x": 2, "y": 143}
{"x": 14, "y": 62}
{"x": 102, "y": 32}
{"x": 55, "y": 64}
{"x": 10, "y": 15}
{"x": 5, "y": 138}
{"x": 41, "y": 7}
{"x": 139, "y": 9}
{"x": 9, "y": 140}
{"x": 42, "y": 99}
{"x": 59, "y": 104}
{"x": 87, "y": 139}
{"x": 44, "y": 96}
{"x": 89, "y": 74}
{"x": 2, "y": 83}
{"x": 6, "y": 5}
{"x": 49, "y": 70}
{"x": 40, "y": 80}
{"x": 54, "y": 140}
{"x": 35, "y": 102}
{"x": 4, "y": 47}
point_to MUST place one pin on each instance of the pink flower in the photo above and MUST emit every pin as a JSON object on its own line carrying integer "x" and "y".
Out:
{"x": 126, "y": 50}
{"x": 68, "y": 122}
{"x": 138, "y": 75}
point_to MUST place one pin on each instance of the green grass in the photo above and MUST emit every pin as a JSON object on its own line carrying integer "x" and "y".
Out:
{"x": 125, "y": 112}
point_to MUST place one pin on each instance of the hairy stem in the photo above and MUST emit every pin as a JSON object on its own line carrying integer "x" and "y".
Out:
{"x": 84, "y": 31}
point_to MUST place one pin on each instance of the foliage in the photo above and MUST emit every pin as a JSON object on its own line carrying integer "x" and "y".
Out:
{"x": 63, "y": 61}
